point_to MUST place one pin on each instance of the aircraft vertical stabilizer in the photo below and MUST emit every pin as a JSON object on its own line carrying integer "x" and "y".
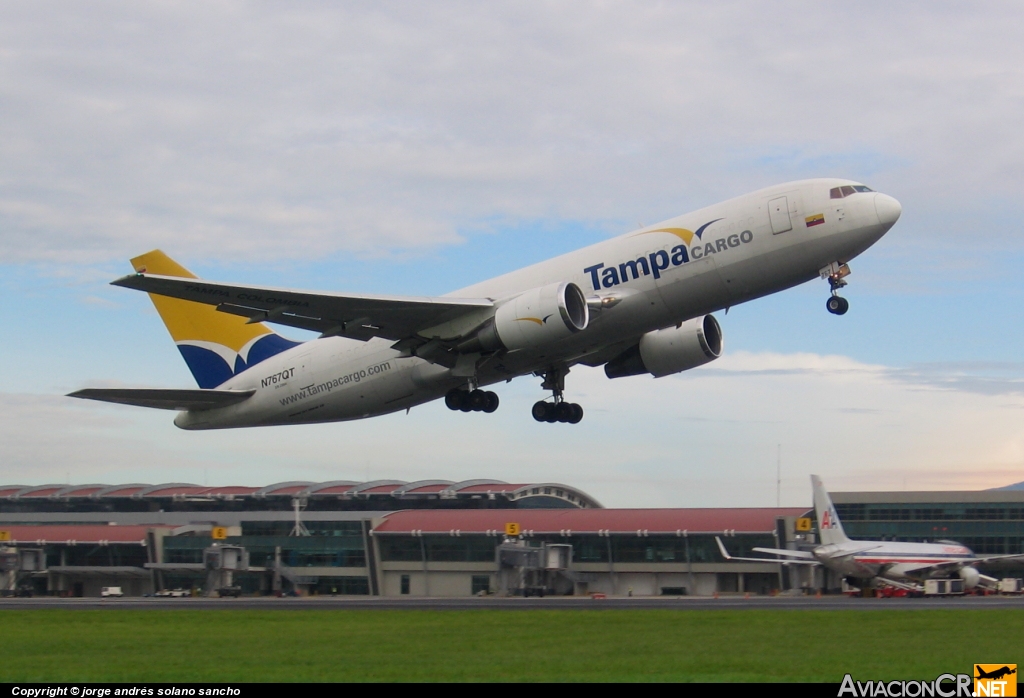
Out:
{"x": 830, "y": 528}
{"x": 215, "y": 345}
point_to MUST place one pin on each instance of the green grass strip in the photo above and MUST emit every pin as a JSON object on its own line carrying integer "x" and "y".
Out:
{"x": 495, "y": 645}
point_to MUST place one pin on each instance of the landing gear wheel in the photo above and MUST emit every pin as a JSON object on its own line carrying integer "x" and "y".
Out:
{"x": 477, "y": 400}
{"x": 563, "y": 411}
{"x": 540, "y": 411}
{"x": 492, "y": 402}
{"x": 454, "y": 399}
{"x": 837, "y": 305}
{"x": 576, "y": 414}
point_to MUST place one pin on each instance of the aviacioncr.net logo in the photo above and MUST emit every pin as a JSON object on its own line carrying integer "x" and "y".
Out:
{"x": 944, "y": 686}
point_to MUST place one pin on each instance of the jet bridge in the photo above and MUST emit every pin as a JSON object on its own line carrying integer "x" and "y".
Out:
{"x": 221, "y": 562}
{"x": 526, "y": 570}
{"x": 17, "y": 565}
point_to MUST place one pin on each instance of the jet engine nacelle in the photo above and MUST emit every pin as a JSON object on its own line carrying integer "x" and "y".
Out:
{"x": 532, "y": 319}
{"x": 664, "y": 352}
{"x": 970, "y": 576}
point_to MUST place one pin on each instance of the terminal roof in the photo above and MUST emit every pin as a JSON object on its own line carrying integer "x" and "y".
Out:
{"x": 79, "y": 534}
{"x": 560, "y": 521}
{"x": 535, "y": 494}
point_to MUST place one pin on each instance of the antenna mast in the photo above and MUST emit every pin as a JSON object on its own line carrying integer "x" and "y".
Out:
{"x": 778, "y": 477}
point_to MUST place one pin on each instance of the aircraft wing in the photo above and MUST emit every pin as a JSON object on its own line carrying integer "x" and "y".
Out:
{"x": 925, "y": 570}
{"x": 1001, "y": 558}
{"x": 954, "y": 565}
{"x": 348, "y": 315}
{"x": 802, "y": 554}
{"x": 165, "y": 399}
{"x": 803, "y": 558}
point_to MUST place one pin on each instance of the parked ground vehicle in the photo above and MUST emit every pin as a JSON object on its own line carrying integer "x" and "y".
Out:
{"x": 1011, "y": 585}
{"x": 173, "y": 593}
{"x": 107, "y": 592}
{"x": 943, "y": 587}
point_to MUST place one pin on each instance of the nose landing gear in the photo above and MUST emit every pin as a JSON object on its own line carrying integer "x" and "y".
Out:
{"x": 471, "y": 400}
{"x": 559, "y": 410}
{"x": 837, "y": 305}
{"x": 835, "y": 273}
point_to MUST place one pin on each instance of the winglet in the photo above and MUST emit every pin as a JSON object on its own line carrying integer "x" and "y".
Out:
{"x": 721, "y": 548}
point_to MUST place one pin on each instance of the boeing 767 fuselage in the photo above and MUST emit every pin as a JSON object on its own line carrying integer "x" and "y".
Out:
{"x": 636, "y": 304}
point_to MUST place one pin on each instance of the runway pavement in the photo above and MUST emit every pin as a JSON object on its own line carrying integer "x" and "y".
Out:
{"x": 829, "y": 603}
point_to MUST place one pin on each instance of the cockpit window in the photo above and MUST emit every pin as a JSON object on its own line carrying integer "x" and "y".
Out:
{"x": 843, "y": 192}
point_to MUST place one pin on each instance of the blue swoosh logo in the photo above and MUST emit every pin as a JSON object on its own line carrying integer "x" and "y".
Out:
{"x": 700, "y": 230}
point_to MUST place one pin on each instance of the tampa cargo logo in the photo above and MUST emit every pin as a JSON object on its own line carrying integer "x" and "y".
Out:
{"x": 602, "y": 276}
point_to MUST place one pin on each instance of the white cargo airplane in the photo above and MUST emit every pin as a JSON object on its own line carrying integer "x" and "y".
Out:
{"x": 636, "y": 304}
{"x": 875, "y": 563}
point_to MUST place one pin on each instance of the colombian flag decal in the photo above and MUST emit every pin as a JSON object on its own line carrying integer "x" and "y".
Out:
{"x": 816, "y": 219}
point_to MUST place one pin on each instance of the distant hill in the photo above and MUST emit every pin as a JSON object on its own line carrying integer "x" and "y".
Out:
{"x": 1015, "y": 486}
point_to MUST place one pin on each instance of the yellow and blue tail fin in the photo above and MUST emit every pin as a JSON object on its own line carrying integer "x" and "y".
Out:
{"x": 215, "y": 345}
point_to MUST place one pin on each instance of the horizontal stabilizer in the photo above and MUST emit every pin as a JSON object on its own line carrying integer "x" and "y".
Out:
{"x": 165, "y": 399}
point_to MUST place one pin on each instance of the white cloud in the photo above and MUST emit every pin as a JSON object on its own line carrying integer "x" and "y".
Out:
{"x": 270, "y": 132}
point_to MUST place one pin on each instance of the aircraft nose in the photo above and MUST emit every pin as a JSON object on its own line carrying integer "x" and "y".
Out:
{"x": 888, "y": 209}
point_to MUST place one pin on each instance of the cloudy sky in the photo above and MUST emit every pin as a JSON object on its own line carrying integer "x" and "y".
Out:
{"x": 421, "y": 147}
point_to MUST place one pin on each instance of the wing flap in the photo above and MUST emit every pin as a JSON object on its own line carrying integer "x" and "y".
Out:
{"x": 350, "y": 315}
{"x": 165, "y": 399}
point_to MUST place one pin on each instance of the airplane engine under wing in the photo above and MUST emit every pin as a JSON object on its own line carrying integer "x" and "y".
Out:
{"x": 671, "y": 350}
{"x": 970, "y": 576}
{"x": 532, "y": 319}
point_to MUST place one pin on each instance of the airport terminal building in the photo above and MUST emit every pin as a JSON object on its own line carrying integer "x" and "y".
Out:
{"x": 439, "y": 538}
{"x": 435, "y": 538}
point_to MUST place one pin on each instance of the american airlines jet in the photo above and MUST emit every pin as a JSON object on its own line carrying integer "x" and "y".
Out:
{"x": 636, "y": 304}
{"x": 877, "y": 563}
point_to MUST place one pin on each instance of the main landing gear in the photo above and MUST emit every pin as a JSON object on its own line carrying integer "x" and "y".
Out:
{"x": 835, "y": 273}
{"x": 559, "y": 410}
{"x": 471, "y": 400}
{"x": 568, "y": 412}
